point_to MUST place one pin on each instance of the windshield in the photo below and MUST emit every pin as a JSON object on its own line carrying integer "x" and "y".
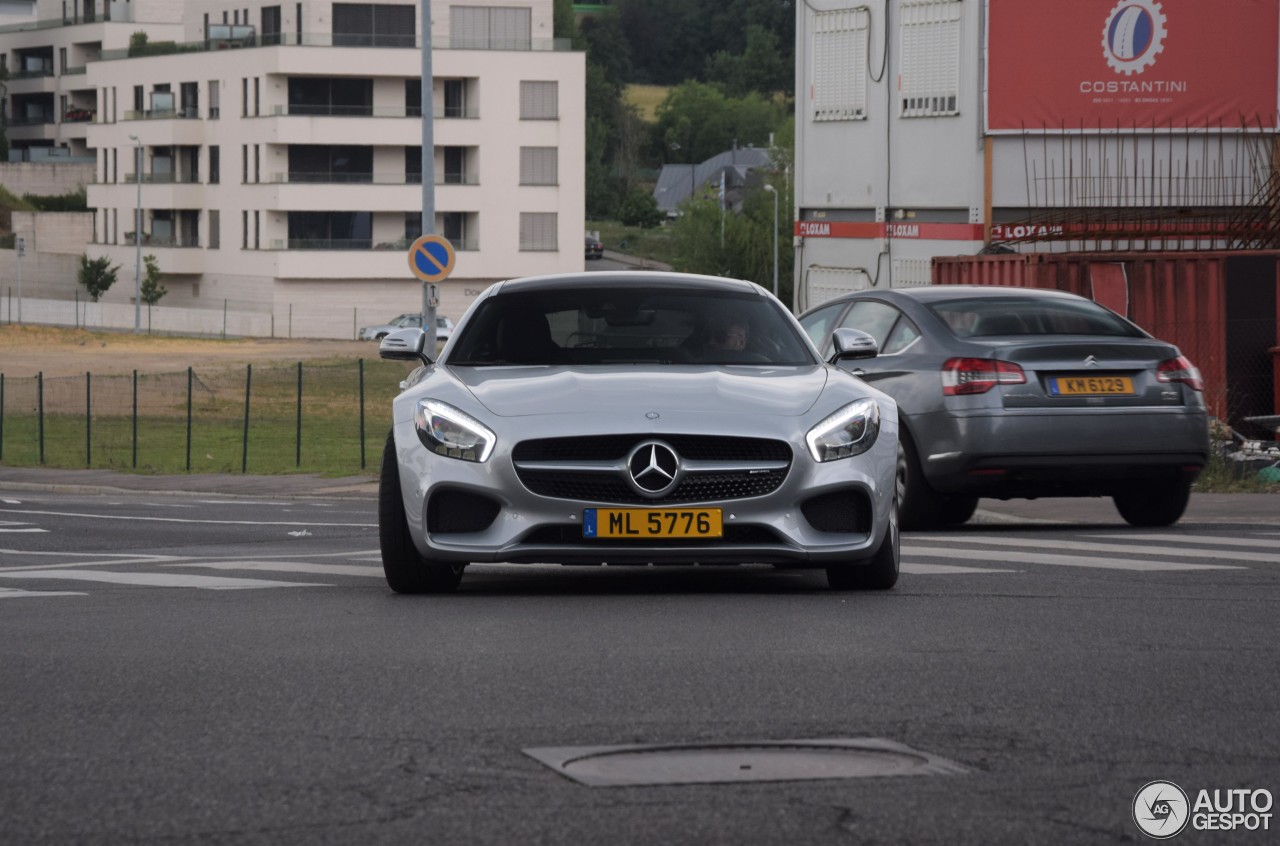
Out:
{"x": 619, "y": 325}
{"x": 992, "y": 316}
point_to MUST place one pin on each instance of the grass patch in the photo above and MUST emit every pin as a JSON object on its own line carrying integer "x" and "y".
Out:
{"x": 1222, "y": 475}
{"x": 646, "y": 98}
{"x": 657, "y": 244}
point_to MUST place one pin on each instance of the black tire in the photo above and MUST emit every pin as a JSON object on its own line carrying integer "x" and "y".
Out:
{"x": 1157, "y": 504}
{"x": 881, "y": 571}
{"x": 380, "y": 336}
{"x": 922, "y": 506}
{"x": 957, "y": 509}
{"x": 406, "y": 570}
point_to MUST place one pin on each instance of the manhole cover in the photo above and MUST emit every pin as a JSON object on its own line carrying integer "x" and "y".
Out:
{"x": 720, "y": 763}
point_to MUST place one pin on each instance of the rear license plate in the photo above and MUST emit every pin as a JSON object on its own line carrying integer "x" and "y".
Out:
{"x": 1066, "y": 386}
{"x": 649, "y": 523}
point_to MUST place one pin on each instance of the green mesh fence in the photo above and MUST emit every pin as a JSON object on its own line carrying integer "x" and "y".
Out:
{"x": 329, "y": 418}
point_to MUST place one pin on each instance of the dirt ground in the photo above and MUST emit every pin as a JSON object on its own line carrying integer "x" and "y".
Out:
{"x": 28, "y": 350}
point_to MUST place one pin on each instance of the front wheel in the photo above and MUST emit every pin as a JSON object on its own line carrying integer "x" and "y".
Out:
{"x": 405, "y": 568}
{"x": 881, "y": 572}
{"x": 1156, "y": 505}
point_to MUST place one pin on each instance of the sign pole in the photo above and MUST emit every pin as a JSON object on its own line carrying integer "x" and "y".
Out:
{"x": 430, "y": 293}
{"x": 21, "y": 244}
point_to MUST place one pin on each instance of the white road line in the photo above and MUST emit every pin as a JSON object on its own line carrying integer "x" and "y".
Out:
{"x": 11, "y": 501}
{"x": 10, "y": 531}
{"x": 14, "y": 593}
{"x": 1131, "y": 549}
{"x": 917, "y": 569}
{"x": 1206, "y": 539}
{"x": 169, "y": 580}
{"x": 183, "y": 520}
{"x": 286, "y": 567}
{"x": 995, "y": 555}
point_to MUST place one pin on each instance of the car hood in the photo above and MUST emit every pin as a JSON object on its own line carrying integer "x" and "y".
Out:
{"x": 520, "y": 391}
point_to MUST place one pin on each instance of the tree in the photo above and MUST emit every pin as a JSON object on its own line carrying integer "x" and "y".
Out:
{"x": 97, "y": 275}
{"x": 760, "y": 67}
{"x": 639, "y": 208}
{"x": 151, "y": 289}
{"x": 696, "y": 121}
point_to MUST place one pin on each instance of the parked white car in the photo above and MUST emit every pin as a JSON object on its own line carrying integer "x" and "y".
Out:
{"x": 444, "y": 327}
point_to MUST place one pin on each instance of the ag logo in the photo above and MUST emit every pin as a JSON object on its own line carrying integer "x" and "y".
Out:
{"x": 1133, "y": 35}
{"x": 1161, "y": 809}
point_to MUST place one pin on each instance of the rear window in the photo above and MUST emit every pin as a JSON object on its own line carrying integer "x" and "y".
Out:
{"x": 618, "y": 325}
{"x": 997, "y": 316}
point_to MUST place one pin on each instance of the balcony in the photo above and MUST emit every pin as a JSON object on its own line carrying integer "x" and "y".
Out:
{"x": 79, "y": 115}
{"x": 185, "y": 113}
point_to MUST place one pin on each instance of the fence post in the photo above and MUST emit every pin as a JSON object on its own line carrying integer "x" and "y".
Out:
{"x": 224, "y": 320}
{"x": 88, "y": 419}
{"x": 77, "y": 308}
{"x": 190, "y": 380}
{"x": 1, "y": 417}
{"x": 355, "y": 332}
{"x": 298, "y": 456}
{"x": 291, "y": 320}
{"x": 135, "y": 420}
{"x": 362, "y": 414}
{"x": 244, "y": 452}
{"x": 40, "y": 411}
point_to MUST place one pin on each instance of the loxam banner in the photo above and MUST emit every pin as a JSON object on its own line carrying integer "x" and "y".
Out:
{"x": 1114, "y": 65}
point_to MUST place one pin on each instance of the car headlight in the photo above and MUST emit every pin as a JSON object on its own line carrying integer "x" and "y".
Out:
{"x": 447, "y": 431}
{"x": 850, "y": 431}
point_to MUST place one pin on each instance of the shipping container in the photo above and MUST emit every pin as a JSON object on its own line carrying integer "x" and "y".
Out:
{"x": 1222, "y": 309}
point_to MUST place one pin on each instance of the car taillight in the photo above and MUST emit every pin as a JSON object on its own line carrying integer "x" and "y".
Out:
{"x": 978, "y": 375}
{"x": 1180, "y": 369}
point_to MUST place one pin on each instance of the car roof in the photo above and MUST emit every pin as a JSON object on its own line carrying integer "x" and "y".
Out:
{"x": 934, "y": 293}
{"x": 629, "y": 278}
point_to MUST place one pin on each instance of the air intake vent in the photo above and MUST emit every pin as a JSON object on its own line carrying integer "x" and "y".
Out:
{"x": 460, "y": 512}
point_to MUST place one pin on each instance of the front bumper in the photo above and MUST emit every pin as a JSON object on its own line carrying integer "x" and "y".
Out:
{"x": 781, "y": 527}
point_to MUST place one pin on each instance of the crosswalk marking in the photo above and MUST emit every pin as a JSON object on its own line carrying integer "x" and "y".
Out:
{"x": 1216, "y": 540}
{"x": 1060, "y": 560}
{"x": 1132, "y": 549}
{"x": 918, "y": 569}
{"x": 173, "y": 580}
{"x": 286, "y": 567}
{"x": 14, "y": 593}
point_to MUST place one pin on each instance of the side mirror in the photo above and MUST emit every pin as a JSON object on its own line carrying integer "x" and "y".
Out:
{"x": 851, "y": 344}
{"x": 405, "y": 345}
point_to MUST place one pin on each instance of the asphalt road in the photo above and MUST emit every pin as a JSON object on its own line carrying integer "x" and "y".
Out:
{"x": 232, "y": 669}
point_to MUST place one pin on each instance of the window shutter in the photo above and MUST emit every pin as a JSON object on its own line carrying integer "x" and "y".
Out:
{"x": 840, "y": 64}
{"x": 538, "y": 166}
{"x": 538, "y": 231}
{"x": 539, "y": 100}
{"x": 930, "y": 84}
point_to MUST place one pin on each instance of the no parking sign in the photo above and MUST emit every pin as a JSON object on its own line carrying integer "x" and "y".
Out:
{"x": 431, "y": 258}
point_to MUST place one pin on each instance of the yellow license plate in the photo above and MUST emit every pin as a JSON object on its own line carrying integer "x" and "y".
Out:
{"x": 1067, "y": 386}
{"x": 650, "y": 523}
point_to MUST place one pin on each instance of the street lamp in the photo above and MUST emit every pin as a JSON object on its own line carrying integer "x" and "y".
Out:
{"x": 774, "y": 192}
{"x": 137, "y": 239}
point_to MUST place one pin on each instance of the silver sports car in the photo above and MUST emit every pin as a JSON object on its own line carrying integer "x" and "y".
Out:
{"x": 633, "y": 418}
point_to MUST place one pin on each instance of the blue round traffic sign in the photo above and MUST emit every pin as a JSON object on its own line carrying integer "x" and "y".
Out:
{"x": 431, "y": 258}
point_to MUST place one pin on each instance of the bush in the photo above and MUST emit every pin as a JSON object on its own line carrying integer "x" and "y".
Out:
{"x": 72, "y": 201}
{"x": 639, "y": 208}
{"x": 97, "y": 275}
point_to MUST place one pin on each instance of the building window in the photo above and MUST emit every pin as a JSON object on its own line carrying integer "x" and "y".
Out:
{"x": 338, "y": 96}
{"x": 330, "y": 230}
{"x": 244, "y": 163}
{"x": 244, "y": 97}
{"x": 257, "y": 230}
{"x": 840, "y": 41}
{"x": 215, "y": 229}
{"x": 244, "y": 230}
{"x": 455, "y": 98}
{"x": 322, "y": 163}
{"x": 455, "y": 166}
{"x": 930, "y": 81}
{"x": 374, "y": 25}
{"x": 538, "y": 166}
{"x": 139, "y": 100}
{"x": 413, "y": 98}
{"x": 490, "y": 28}
{"x": 215, "y": 107}
{"x": 412, "y": 225}
{"x": 538, "y": 231}
{"x": 257, "y": 96}
{"x": 297, "y": 21}
{"x": 215, "y": 165}
{"x": 539, "y": 100}
{"x": 257, "y": 163}
{"x": 271, "y": 25}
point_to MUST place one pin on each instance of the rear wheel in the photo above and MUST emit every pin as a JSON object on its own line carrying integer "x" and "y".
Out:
{"x": 406, "y": 570}
{"x": 921, "y": 504}
{"x": 881, "y": 572}
{"x": 1155, "y": 505}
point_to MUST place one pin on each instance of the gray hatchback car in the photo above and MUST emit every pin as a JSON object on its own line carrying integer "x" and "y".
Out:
{"x": 1025, "y": 393}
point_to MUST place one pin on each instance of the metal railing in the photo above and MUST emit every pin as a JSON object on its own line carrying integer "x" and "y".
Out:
{"x": 330, "y": 39}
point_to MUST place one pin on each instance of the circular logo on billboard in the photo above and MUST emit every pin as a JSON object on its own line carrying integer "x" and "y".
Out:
{"x": 1161, "y": 809}
{"x": 1133, "y": 35}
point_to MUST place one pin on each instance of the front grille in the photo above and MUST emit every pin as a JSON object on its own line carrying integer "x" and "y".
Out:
{"x": 695, "y": 486}
{"x": 846, "y": 512}
{"x": 616, "y": 447}
{"x": 570, "y": 534}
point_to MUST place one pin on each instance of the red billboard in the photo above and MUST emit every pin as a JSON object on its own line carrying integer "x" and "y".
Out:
{"x": 1099, "y": 65}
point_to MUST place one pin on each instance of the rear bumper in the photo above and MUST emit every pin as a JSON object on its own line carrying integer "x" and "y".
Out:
{"x": 1018, "y": 454}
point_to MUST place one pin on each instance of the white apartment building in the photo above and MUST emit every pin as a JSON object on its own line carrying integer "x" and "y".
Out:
{"x": 281, "y": 151}
{"x": 945, "y": 127}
